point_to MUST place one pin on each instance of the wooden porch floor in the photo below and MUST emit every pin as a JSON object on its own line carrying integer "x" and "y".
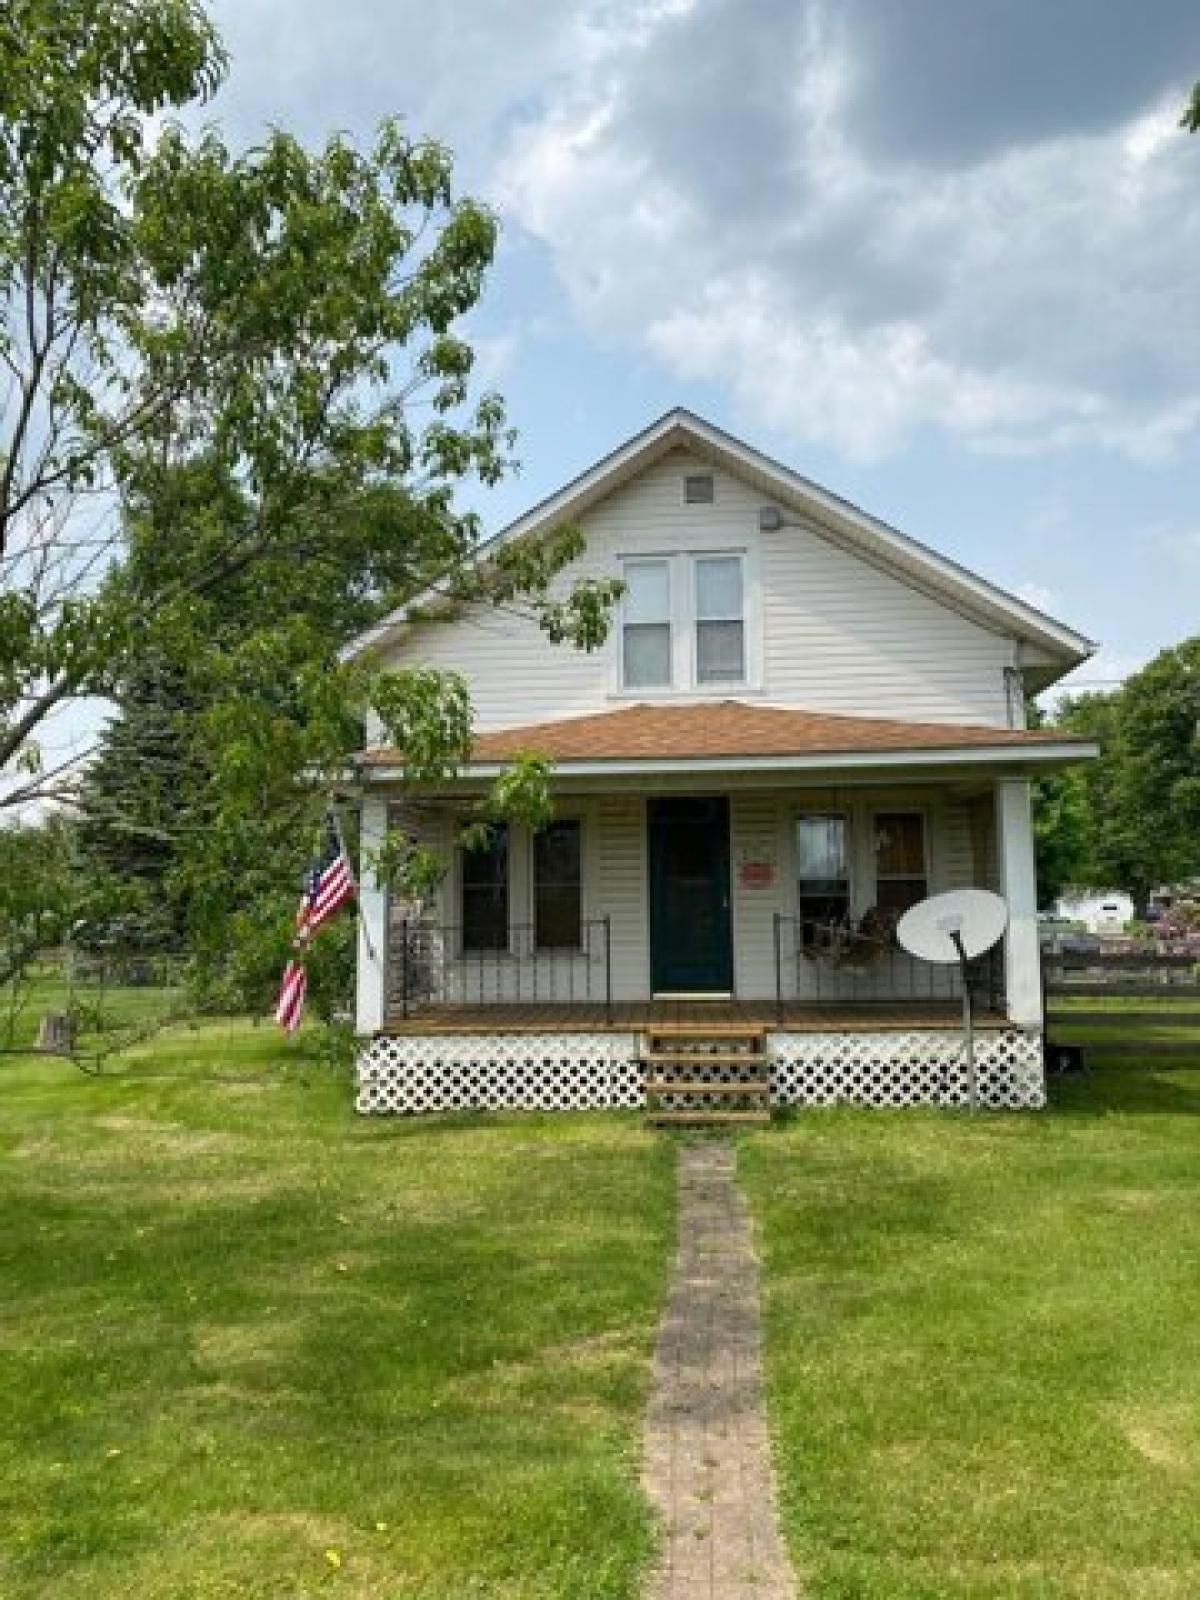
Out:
{"x": 688, "y": 1014}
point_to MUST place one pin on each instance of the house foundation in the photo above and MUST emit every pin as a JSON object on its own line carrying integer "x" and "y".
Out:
{"x": 412, "y": 1073}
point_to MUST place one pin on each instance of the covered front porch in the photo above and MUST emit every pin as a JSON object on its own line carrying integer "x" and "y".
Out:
{"x": 777, "y": 902}
{"x": 695, "y": 888}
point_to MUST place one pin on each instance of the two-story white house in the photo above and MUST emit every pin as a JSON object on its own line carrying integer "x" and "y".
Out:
{"x": 804, "y": 721}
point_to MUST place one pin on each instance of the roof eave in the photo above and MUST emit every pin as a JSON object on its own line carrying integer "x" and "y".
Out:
{"x": 1043, "y": 756}
{"x": 907, "y": 556}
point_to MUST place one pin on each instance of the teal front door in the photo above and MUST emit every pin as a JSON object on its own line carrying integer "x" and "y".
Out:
{"x": 691, "y": 940}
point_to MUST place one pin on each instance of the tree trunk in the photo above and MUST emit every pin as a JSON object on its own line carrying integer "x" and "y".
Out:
{"x": 56, "y": 1035}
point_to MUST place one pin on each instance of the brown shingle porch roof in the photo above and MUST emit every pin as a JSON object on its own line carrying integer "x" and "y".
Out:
{"x": 728, "y": 729}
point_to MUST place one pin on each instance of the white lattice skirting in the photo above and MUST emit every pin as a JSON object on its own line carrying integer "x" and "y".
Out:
{"x": 499, "y": 1072}
{"x": 581, "y": 1071}
{"x": 906, "y": 1069}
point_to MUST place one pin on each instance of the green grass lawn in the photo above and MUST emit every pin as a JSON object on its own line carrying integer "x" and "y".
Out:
{"x": 1066, "y": 1031}
{"x": 1118, "y": 1029}
{"x": 252, "y": 1345}
{"x": 983, "y": 1342}
{"x": 108, "y": 1012}
{"x": 1064, "y": 1004}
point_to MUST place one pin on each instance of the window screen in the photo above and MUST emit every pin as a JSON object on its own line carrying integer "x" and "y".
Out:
{"x": 484, "y": 875}
{"x": 558, "y": 887}
{"x": 720, "y": 626}
{"x": 646, "y": 641}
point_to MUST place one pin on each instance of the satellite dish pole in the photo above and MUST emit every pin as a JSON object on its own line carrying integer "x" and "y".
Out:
{"x": 956, "y": 928}
{"x": 968, "y": 1017}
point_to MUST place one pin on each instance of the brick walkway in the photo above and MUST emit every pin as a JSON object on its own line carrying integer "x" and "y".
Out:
{"x": 707, "y": 1466}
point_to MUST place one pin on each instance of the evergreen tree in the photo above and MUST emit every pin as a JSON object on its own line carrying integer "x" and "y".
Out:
{"x": 134, "y": 809}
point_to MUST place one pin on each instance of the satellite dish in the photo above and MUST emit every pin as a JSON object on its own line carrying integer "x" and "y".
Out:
{"x": 956, "y": 927}
{"x": 978, "y": 917}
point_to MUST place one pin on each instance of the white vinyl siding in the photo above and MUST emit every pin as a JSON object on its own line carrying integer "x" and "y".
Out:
{"x": 754, "y": 827}
{"x": 619, "y": 860}
{"x": 824, "y": 629}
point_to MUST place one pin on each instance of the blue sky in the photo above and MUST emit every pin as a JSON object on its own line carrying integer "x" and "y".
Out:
{"x": 940, "y": 257}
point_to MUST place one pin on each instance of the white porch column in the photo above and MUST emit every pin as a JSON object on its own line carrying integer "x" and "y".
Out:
{"x": 1018, "y": 885}
{"x": 372, "y": 921}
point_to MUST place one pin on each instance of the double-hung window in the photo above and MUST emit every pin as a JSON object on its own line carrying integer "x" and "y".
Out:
{"x": 720, "y": 620}
{"x": 558, "y": 887}
{"x": 822, "y": 874}
{"x": 646, "y": 642}
{"x": 901, "y": 874}
{"x": 484, "y": 880}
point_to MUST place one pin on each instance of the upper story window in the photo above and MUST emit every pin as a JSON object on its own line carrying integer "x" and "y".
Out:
{"x": 646, "y": 643}
{"x": 720, "y": 620}
{"x": 684, "y": 621}
{"x": 901, "y": 873}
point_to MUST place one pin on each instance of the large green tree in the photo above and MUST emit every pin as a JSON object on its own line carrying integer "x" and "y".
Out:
{"x": 219, "y": 362}
{"x": 238, "y": 409}
{"x": 1131, "y": 820}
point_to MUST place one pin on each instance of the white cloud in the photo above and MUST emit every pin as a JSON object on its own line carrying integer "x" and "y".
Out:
{"x": 1041, "y": 298}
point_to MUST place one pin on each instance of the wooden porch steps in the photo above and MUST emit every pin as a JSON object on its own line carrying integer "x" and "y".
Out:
{"x": 757, "y": 1088}
{"x": 698, "y": 1073}
{"x": 704, "y": 1119}
{"x": 710, "y": 1058}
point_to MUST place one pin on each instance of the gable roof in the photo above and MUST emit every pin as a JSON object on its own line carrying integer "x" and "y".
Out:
{"x": 837, "y": 519}
{"x": 732, "y": 731}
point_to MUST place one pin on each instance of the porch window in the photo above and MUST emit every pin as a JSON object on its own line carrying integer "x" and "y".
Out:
{"x": 901, "y": 875}
{"x": 646, "y": 631}
{"x": 822, "y": 873}
{"x": 484, "y": 878}
{"x": 720, "y": 621}
{"x": 558, "y": 887}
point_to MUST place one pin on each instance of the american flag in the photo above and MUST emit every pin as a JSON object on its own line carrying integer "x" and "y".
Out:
{"x": 328, "y": 884}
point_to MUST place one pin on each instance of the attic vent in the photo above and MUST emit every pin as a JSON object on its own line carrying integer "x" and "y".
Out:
{"x": 698, "y": 489}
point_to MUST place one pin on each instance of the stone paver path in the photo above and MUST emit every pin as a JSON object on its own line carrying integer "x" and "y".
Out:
{"x": 707, "y": 1464}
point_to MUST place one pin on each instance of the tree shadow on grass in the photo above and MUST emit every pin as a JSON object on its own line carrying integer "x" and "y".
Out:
{"x": 1110, "y": 1089}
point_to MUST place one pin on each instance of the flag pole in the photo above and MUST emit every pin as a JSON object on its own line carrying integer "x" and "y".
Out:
{"x": 362, "y": 921}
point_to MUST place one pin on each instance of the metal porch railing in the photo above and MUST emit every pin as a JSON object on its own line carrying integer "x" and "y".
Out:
{"x": 428, "y": 963}
{"x": 835, "y": 963}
